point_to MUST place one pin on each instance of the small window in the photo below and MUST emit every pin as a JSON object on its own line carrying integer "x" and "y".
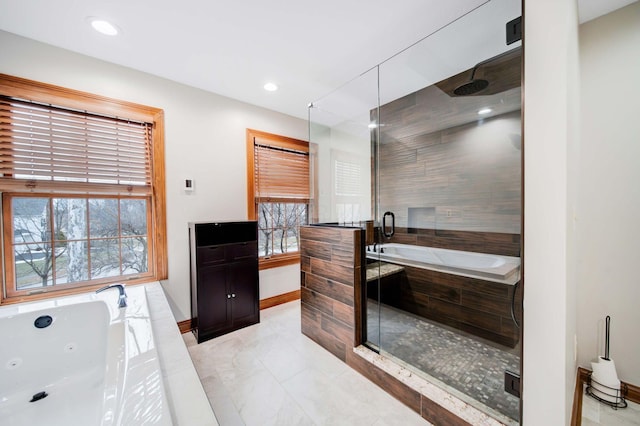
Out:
{"x": 278, "y": 194}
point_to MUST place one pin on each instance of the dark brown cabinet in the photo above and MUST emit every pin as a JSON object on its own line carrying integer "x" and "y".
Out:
{"x": 224, "y": 277}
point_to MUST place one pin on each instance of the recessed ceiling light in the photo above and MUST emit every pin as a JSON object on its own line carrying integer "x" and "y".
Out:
{"x": 104, "y": 27}
{"x": 270, "y": 87}
{"x": 484, "y": 111}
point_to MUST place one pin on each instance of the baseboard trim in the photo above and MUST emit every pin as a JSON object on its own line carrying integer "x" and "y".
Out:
{"x": 279, "y": 299}
{"x": 185, "y": 326}
{"x": 576, "y": 412}
{"x": 633, "y": 395}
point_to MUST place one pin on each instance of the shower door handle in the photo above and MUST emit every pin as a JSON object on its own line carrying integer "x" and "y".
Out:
{"x": 384, "y": 224}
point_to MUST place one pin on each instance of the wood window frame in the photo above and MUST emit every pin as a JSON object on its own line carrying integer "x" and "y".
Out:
{"x": 20, "y": 88}
{"x": 252, "y": 206}
{"x": 8, "y": 226}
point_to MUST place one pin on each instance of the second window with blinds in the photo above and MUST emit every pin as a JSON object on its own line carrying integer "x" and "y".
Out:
{"x": 278, "y": 194}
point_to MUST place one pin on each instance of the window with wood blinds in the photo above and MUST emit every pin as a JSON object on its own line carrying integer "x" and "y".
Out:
{"x": 278, "y": 194}
{"x": 82, "y": 182}
{"x": 54, "y": 148}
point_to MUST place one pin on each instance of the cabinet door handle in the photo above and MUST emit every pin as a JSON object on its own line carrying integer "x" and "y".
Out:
{"x": 228, "y": 296}
{"x": 233, "y": 295}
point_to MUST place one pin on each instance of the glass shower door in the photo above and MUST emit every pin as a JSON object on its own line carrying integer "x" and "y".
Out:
{"x": 448, "y": 203}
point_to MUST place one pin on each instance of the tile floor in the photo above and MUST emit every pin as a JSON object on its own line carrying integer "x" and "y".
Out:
{"x": 473, "y": 366}
{"x": 271, "y": 374}
{"x": 595, "y": 413}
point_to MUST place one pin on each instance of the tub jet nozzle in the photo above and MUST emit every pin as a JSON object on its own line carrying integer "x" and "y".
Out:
{"x": 38, "y": 396}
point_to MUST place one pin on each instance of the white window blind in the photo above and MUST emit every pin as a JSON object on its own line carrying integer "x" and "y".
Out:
{"x": 347, "y": 178}
{"x": 48, "y": 148}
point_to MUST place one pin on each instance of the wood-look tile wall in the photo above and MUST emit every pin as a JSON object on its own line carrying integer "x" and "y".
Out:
{"x": 332, "y": 262}
{"x": 464, "y": 178}
{"x": 330, "y": 284}
{"x": 482, "y": 308}
{"x": 480, "y": 242}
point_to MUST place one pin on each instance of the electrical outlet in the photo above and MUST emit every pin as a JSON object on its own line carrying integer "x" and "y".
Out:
{"x": 512, "y": 383}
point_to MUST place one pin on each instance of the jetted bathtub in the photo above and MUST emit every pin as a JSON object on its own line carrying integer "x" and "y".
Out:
{"x": 502, "y": 269}
{"x": 81, "y": 360}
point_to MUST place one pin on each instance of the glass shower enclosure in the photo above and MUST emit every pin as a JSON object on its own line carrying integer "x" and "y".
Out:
{"x": 427, "y": 146}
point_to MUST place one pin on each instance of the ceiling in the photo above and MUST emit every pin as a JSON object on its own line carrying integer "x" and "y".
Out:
{"x": 309, "y": 48}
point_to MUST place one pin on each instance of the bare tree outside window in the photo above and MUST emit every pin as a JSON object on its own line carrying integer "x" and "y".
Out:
{"x": 279, "y": 227}
{"x": 72, "y": 231}
{"x": 34, "y": 251}
{"x": 133, "y": 223}
{"x": 84, "y": 239}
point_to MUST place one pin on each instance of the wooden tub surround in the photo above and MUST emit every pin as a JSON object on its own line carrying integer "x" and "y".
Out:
{"x": 333, "y": 271}
{"x": 473, "y": 305}
{"x": 479, "y": 307}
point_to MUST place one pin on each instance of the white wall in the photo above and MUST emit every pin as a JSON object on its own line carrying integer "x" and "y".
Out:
{"x": 205, "y": 141}
{"x": 550, "y": 127}
{"x": 609, "y": 196}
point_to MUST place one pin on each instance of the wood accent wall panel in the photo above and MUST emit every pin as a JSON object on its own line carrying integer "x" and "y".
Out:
{"x": 331, "y": 279}
{"x": 466, "y": 177}
{"x": 480, "y": 307}
{"x": 480, "y": 242}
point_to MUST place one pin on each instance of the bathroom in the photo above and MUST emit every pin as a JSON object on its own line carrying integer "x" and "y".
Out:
{"x": 228, "y": 120}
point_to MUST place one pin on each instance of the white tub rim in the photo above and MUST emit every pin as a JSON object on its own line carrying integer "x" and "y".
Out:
{"x": 508, "y": 274}
{"x": 138, "y": 309}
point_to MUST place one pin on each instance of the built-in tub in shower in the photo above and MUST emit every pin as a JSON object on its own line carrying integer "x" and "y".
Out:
{"x": 473, "y": 292}
{"x": 492, "y": 267}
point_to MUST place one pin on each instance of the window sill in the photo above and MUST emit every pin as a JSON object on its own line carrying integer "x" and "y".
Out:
{"x": 276, "y": 262}
{"x": 69, "y": 291}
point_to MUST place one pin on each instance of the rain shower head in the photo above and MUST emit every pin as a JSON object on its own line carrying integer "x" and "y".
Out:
{"x": 471, "y": 88}
{"x": 475, "y": 85}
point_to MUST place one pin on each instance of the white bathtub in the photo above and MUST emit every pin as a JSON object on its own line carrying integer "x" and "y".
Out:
{"x": 502, "y": 269}
{"x": 98, "y": 364}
